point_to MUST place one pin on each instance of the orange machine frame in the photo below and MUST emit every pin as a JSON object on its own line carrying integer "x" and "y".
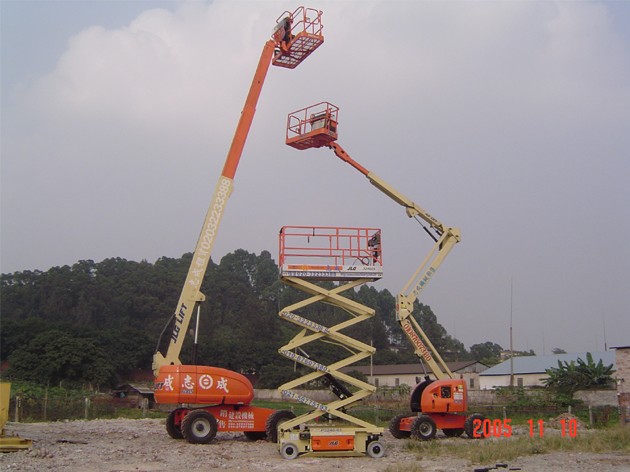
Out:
{"x": 313, "y": 126}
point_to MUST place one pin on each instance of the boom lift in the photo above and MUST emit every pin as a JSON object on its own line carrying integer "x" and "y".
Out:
{"x": 440, "y": 403}
{"x": 212, "y": 399}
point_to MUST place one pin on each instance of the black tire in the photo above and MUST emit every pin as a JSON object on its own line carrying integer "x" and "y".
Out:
{"x": 289, "y": 451}
{"x": 423, "y": 428}
{"x": 276, "y": 419}
{"x": 199, "y": 427}
{"x": 471, "y": 428}
{"x": 453, "y": 433}
{"x": 394, "y": 427}
{"x": 375, "y": 450}
{"x": 255, "y": 435}
{"x": 172, "y": 429}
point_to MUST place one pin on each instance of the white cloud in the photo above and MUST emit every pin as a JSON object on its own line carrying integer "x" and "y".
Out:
{"x": 508, "y": 119}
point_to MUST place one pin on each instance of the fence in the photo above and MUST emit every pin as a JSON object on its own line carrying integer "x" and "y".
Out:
{"x": 384, "y": 405}
{"x": 71, "y": 408}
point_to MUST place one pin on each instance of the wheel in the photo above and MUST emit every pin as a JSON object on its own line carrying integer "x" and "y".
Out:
{"x": 423, "y": 427}
{"x": 255, "y": 435}
{"x": 394, "y": 427}
{"x": 474, "y": 426}
{"x": 276, "y": 419}
{"x": 289, "y": 451}
{"x": 172, "y": 429}
{"x": 375, "y": 449}
{"x": 199, "y": 427}
{"x": 453, "y": 433}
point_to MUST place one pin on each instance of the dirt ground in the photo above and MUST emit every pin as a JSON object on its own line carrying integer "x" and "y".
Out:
{"x": 143, "y": 445}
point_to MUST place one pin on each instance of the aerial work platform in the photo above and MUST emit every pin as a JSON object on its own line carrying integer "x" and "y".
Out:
{"x": 330, "y": 253}
{"x": 297, "y": 34}
{"x": 352, "y": 257}
{"x": 313, "y": 126}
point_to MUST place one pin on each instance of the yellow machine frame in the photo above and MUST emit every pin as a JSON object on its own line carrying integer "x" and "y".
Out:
{"x": 9, "y": 443}
{"x": 354, "y": 262}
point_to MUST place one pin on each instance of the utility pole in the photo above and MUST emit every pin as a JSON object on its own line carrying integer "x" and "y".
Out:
{"x": 511, "y": 344}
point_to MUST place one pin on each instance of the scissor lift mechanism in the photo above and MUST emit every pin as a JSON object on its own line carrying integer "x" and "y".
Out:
{"x": 352, "y": 257}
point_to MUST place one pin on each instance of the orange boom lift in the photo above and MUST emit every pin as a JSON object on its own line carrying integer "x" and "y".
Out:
{"x": 439, "y": 403}
{"x": 212, "y": 399}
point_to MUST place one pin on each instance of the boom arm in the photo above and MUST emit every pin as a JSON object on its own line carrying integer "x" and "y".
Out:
{"x": 169, "y": 348}
{"x": 445, "y": 238}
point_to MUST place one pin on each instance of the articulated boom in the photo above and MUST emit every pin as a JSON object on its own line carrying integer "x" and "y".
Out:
{"x": 439, "y": 403}
{"x": 447, "y": 238}
{"x": 316, "y": 126}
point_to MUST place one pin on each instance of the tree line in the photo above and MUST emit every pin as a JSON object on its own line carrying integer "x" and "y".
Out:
{"x": 93, "y": 324}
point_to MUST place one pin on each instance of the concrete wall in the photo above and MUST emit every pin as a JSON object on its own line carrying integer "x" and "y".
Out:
{"x": 274, "y": 395}
{"x": 475, "y": 397}
{"x": 412, "y": 380}
{"x": 597, "y": 397}
{"x": 528, "y": 380}
{"x": 589, "y": 397}
{"x": 622, "y": 364}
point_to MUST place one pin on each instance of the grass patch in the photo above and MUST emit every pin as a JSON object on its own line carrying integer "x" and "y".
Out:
{"x": 508, "y": 449}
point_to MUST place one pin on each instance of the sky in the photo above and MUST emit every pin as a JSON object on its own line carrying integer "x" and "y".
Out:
{"x": 507, "y": 120}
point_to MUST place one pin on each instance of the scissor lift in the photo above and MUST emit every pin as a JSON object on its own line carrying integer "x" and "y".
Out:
{"x": 351, "y": 257}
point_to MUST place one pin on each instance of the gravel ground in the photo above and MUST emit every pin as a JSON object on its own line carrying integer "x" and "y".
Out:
{"x": 143, "y": 445}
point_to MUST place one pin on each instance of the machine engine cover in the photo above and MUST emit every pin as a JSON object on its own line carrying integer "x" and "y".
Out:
{"x": 197, "y": 384}
{"x": 444, "y": 396}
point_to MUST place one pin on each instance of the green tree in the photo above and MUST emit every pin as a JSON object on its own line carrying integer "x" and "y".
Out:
{"x": 55, "y": 356}
{"x": 488, "y": 353}
{"x": 571, "y": 376}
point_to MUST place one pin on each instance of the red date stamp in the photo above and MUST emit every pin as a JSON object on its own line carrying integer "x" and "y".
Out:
{"x": 483, "y": 428}
{"x": 568, "y": 428}
{"x": 497, "y": 428}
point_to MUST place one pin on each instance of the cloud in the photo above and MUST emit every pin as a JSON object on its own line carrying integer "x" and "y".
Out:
{"x": 507, "y": 119}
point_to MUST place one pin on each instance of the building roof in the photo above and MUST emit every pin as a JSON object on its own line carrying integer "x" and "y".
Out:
{"x": 539, "y": 364}
{"x": 405, "y": 369}
{"x": 141, "y": 389}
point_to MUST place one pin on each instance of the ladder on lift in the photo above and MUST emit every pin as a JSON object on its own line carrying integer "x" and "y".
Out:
{"x": 351, "y": 257}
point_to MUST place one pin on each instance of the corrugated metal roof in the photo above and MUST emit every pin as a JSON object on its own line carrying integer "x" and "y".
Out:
{"x": 538, "y": 364}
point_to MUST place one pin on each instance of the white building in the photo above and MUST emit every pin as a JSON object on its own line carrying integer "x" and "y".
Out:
{"x": 529, "y": 371}
{"x": 395, "y": 375}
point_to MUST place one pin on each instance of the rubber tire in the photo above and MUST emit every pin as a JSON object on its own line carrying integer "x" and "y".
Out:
{"x": 375, "y": 450}
{"x": 172, "y": 429}
{"x": 255, "y": 435}
{"x": 274, "y": 420}
{"x": 453, "y": 433}
{"x": 394, "y": 427}
{"x": 289, "y": 451}
{"x": 469, "y": 426}
{"x": 199, "y": 427}
{"x": 423, "y": 428}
